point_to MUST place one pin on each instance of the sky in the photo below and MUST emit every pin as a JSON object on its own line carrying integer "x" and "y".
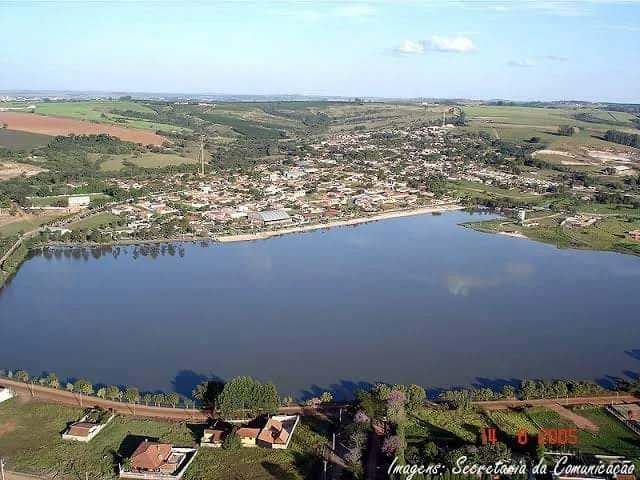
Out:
{"x": 476, "y": 49}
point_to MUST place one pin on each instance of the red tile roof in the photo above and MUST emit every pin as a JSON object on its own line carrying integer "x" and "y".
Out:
{"x": 274, "y": 432}
{"x": 150, "y": 455}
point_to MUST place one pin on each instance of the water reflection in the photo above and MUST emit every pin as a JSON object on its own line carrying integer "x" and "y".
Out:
{"x": 410, "y": 300}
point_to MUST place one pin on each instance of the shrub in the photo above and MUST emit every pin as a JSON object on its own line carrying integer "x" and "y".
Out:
{"x": 232, "y": 442}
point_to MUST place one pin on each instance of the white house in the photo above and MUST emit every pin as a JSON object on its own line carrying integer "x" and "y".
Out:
{"x": 79, "y": 200}
{"x": 6, "y": 394}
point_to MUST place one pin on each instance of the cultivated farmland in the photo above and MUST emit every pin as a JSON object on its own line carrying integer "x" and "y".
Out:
{"x": 29, "y": 122}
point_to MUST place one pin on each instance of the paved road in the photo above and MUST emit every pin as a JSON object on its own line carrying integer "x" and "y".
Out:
{"x": 373, "y": 472}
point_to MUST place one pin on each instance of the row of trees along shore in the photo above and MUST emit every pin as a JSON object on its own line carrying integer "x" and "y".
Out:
{"x": 239, "y": 397}
{"x": 244, "y": 395}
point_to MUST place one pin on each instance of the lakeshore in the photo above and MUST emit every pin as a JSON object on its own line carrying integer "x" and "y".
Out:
{"x": 263, "y": 235}
{"x": 382, "y": 290}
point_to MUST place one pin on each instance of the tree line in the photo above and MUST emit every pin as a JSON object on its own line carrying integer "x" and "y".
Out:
{"x": 623, "y": 138}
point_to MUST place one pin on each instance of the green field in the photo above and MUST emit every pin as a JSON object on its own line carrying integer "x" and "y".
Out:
{"x": 15, "y": 140}
{"x": 25, "y": 225}
{"x": 606, "y": 234}
{"x": 479, "y": 191}
{"x": 522, "y": 123}
{"x": 296, "y": 463}
{"x": 30, "y": 442}
{"x": 101, "y": 111}
{"x": 447, "y": 427}
{"x": 612, "y": 437}
{"x": 113, "y": 163}
{"x": 94, "y": 221}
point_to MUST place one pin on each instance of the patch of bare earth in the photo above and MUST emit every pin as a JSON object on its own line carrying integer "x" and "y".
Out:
{"x": 10, "y": 170}
{"x": 581, "y": 422}
{"x": 7, "y": 427}
{"x": 31, "y": 122}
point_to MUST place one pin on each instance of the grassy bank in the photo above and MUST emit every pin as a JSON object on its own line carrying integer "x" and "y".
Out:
{"x": 607, "y": 234}
{"x": 30, "y": 442}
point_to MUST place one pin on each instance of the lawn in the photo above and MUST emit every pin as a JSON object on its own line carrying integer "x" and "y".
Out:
{"x": 30, "y": 442}
{"x": 94, "y": 221}
{"x": 22, "y": 226}
{"x": 511, "y": 421}
{"x": 613, "y": 438}
{"x": 446, "y": 427}
{"x": 298, "y": 462}
{"x": 113, "y": 163}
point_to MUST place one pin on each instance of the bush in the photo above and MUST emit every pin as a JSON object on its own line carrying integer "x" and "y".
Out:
{"x": 231, "y": 442}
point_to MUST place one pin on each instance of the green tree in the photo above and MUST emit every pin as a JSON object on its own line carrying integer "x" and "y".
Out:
{"x": 159, "y": 399}
{"x": 52, "y": 380}
{"x": 131, "y": 395}
{"x": 101, "y": 393}
{"x": 416, "y": 397}
{"x": 21, "y": 376}
{"x": 326, "y": 397}
{"x": 147, "y": 398}
{"x": 113, "y": 393}
{"x": 172, "y": 398}
{"x": 82, "y": 387}
{"x": 232, "y": 442}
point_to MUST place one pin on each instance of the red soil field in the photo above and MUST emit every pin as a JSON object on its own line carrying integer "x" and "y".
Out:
{"x": 31, "y": 122}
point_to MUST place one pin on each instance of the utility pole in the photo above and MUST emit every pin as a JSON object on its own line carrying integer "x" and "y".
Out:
{"x": 202, "y": 155}
{"x": 444, "y": 116}
{"x": 2, "y": 468}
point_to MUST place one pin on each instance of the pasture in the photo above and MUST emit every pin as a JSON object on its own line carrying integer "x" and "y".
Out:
{"x": 114, "y": 163}
{"x": 103, "y": 111}
{"x": 17, "y": 140}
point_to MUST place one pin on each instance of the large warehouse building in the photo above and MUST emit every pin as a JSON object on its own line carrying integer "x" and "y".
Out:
{"x": 270, "y": 217}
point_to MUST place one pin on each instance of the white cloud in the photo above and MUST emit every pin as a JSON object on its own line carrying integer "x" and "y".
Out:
{"x": 557, "y": 58}
{"x": 457, "y": 44}
{"x": 525, "y": 63}
{"x": 410, "y": 47}
{"x": 452, "y": 44}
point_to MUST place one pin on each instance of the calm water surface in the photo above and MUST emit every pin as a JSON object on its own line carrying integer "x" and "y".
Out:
{"x": 416, "y": 299}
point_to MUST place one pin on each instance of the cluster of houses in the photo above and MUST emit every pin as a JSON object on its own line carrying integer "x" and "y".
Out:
{"x": 349, "y": 174}
{"x": 154, "y": 460}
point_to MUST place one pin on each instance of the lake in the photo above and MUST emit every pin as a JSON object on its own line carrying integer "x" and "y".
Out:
{"x": 409, "y": 300}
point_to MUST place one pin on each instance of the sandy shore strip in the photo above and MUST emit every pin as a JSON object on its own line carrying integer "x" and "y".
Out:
{"x": 243, "y": 237}
{"x": 513, "y": 234}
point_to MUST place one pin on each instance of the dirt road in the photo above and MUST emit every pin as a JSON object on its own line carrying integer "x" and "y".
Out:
{"x": 550, "y": 402}
{"x": 69, "y": 398}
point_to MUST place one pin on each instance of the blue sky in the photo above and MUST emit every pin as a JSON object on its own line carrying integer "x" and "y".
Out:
{"x": 522, "y": 49}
